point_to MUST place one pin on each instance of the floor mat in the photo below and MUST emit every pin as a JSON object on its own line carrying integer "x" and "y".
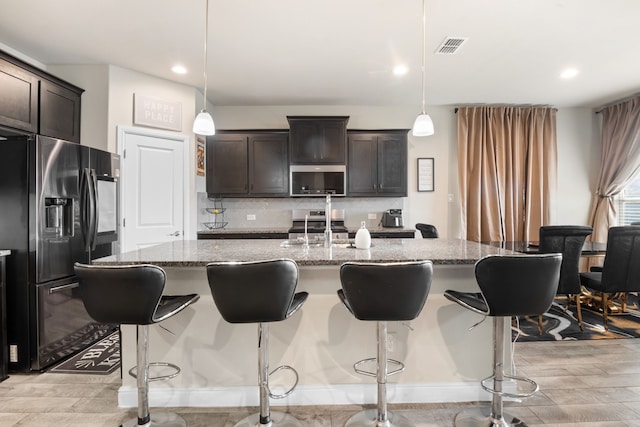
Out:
{"x": 558, "y": 324}
{"x": 101, "y": 358}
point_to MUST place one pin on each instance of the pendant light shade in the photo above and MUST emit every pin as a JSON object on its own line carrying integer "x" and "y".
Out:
{"x": 423, "y": 126}
{"x": 203, "y": 124}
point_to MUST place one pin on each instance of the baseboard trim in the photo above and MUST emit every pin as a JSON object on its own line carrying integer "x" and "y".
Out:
{"x": 304, "y": 395}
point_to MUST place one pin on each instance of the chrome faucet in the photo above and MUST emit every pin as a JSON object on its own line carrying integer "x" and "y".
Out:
{"x": 327, "y": 217}
{"x": 305, "y": 240}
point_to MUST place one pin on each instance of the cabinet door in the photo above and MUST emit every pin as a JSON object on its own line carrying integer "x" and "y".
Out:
{"x": 362, "y": 167}
{"x": 227, "y": 165}
{"x": 268, "y": 165}
{"x": 392, "y": 165}
{"x": 59, "y": 112}
{"x": 317, "y": 140}
{"x": 18, "y": 98}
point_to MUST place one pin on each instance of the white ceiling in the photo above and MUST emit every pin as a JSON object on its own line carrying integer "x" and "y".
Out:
{"x": 341, "y": 52}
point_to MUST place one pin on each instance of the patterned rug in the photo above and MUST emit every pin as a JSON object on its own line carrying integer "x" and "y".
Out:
{"x": 558, "y": 324}
{"x": 100, "y": 358}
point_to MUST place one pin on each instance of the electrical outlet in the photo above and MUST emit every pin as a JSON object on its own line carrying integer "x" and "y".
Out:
{"x": 13, "y": 353}
{"x": 251, "y": 217}
{"x": 372, "y": 216}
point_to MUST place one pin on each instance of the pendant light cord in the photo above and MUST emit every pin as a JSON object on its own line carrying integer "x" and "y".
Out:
{"x": 424, "y": 56}
{"x": 206, "y": 36}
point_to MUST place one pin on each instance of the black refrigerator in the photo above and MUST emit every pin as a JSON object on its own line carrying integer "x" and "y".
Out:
{"x": 59, "y": 206}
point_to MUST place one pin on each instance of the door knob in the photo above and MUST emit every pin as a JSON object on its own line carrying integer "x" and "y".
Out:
{"x": 175, "y": 234}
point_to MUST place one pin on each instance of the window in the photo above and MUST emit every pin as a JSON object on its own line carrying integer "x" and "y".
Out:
{"x": 629, "y": 203}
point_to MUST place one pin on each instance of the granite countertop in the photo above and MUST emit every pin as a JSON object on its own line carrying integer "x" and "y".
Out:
{"x": 283, "y": 230}
{"x": 197, "y": 253}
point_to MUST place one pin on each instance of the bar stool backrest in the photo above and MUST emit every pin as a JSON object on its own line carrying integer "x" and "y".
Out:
{"x": 518, "y": 285}
{"x": 567, "y": 240}
{"x": 428, "y": 231}
{"x": 126, "y": 295}
{"x": 386, "y": 292}
{"x": 253, "y": 292}
{"x": 621, "y": 268}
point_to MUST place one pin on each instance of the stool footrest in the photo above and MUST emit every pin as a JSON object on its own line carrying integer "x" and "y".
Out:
{"x": 356, "y": 367}
{"x": 288, "y": 392}
{"x": 533, "y": 384}
{"x": 176, "y": 369}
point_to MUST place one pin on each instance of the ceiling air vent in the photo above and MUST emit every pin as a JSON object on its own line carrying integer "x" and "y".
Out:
{"x": 451, "y": 45}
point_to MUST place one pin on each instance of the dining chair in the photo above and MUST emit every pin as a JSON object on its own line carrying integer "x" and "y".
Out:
{"x": 567, "y": 240}
{"x": 428, "y": 231}
{"x": 621, "y": 270}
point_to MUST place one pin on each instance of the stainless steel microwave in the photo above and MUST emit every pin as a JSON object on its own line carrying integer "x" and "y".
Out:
{"x": 317, "y": 180}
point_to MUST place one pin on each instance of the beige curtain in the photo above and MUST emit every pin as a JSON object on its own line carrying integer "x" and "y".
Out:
{"x": 506, "y": 171}
{"x": 620, "y": 161}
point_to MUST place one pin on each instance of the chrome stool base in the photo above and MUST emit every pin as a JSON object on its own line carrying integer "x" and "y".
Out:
{"x": 277, "y": 419}
{"x": 369, "y": 418}
{"x": 480, "y": 417}
{"x": 161, "y": 419}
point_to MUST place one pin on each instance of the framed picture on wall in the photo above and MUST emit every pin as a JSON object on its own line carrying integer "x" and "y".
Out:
{"x": 200, "y": 155}
{"x": 425, "y": 174}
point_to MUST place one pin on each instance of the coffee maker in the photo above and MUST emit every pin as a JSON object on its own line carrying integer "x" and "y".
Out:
{"x": 392, "y": 218}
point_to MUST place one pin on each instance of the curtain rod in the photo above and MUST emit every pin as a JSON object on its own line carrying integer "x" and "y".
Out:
{"x": 455, "y": 110}
{"x": 619, "y": 101}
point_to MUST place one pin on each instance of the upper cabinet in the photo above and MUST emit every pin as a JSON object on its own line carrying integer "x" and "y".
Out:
{"x": 34, "y": 101}
{"x": 317, "y": 139}
{"x": 59, "y": 111}
{"x": 247, "y": 164}
{"x": 377, "y": 163}
{"x": 18, "y": 98}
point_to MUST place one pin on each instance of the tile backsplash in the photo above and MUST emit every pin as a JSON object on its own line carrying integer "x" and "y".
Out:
{"x": 276, "y": 212}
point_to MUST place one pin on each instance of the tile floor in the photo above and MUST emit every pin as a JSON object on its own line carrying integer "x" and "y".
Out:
{"x": 582, "y": 383}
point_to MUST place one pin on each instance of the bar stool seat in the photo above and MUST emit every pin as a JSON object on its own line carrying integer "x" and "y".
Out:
{"x": 259, "y": 292}
{"x": 132, "y": 295}
{"x": 517, "y": 285}
{"x": 383, "y": 292}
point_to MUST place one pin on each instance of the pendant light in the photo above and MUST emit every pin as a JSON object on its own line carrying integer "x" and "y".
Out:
{"x": 423, "y": 126}
{"x": 203, "y": 124}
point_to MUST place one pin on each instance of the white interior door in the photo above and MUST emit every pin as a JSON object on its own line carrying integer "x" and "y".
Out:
{"x": 153, "y": 186}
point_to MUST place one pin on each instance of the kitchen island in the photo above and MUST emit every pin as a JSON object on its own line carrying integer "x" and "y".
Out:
{"x": 444, "y": 359}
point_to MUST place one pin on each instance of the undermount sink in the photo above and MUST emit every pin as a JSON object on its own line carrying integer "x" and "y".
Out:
{"x": 315, "y": 244}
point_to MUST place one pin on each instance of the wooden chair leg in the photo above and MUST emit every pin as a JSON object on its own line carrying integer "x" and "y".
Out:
{"x": 539, "y": 324}
{"x": 579, "y": 312}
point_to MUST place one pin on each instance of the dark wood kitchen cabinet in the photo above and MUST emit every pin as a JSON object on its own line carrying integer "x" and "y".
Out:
{"x": 377, "y": 163}
{"x": 247, "y": 164}
{"x": 18, "y": 98}
{"x": 317, "y": 139}
{"x": 35, "y": 101}
{"x": 59, "y": 111}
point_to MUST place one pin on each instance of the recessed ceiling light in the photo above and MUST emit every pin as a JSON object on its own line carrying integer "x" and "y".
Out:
{"x": 569, "y": 73}
{"x": 400, "y": 70}
{"x": 179, "y": 69}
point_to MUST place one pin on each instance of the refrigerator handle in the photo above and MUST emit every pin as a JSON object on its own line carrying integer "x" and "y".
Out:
{"x": 85, "y": 208}
{"x": 93, "y": 200}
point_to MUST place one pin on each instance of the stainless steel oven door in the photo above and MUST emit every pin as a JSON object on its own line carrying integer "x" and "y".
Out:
{"x": 63, "y": 325}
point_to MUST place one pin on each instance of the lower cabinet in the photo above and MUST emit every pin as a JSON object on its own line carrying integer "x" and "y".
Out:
{"x": 247, "y": 164}
{"x": 377, "y": 163}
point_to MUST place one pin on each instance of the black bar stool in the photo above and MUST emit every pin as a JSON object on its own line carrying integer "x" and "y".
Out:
{"x": 259, "y": 292}
{"x": 517, "y": 285}
{"x": 132, "y": 295}
{"x": 383, "y": 292}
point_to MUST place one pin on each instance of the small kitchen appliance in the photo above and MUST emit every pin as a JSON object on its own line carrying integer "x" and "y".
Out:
{"x": 392, "y": 218}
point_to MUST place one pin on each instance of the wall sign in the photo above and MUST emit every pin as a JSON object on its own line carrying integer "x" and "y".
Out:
{"x": 425, "y": 174}
{"x": 156, "y": 113}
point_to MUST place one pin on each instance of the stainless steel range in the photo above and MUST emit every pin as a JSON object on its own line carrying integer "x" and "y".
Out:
{"x": 316, "y": 223}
